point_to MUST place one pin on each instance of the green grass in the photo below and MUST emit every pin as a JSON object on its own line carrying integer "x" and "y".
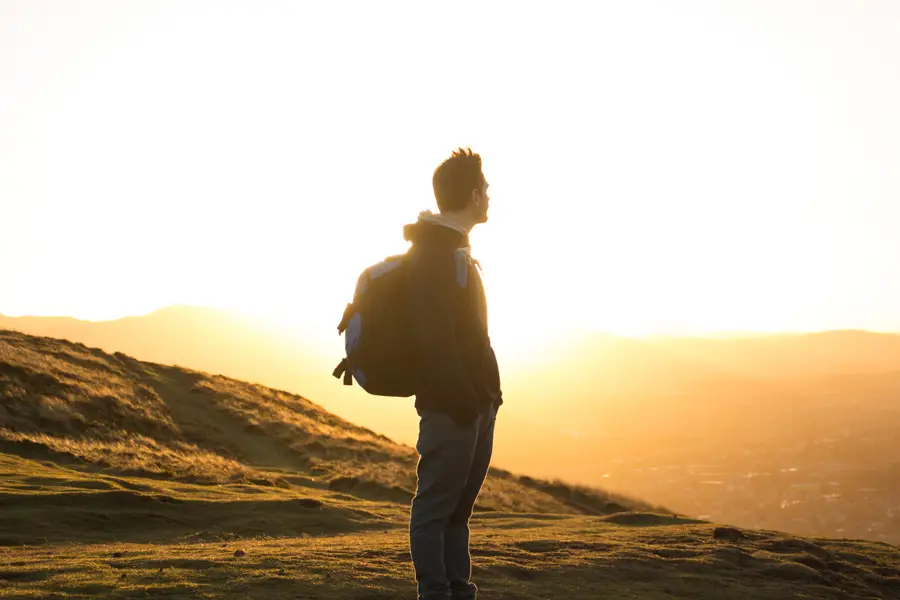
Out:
{"x": 515, "y": 557}
{"x": 123, "y": 479}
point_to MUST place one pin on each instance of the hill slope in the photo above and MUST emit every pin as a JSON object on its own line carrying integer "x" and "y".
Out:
{"x": 163, "y": 482}
{"x": 77, "y": 422}
{"x": 293, "y": 358}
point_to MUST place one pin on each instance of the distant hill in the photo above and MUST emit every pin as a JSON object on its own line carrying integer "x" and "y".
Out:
{"x": 257, "y": 349}
{"x": 575, "y": 373}
{"x": 209, "y": 339}
{"x": 622, "y": 364}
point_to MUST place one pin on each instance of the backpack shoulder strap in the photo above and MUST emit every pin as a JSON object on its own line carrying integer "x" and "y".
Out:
{"x": 462, "y": 268}
{"x": 345, "y": 319}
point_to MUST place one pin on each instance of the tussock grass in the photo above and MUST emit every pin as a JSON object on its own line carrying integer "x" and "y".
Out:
{"x": 141, "y": 455}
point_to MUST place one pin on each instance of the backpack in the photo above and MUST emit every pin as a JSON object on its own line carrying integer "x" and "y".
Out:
{"x": 377, "y": 336}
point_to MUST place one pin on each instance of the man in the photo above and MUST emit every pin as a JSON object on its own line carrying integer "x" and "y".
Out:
{"x": 458, "y": 391}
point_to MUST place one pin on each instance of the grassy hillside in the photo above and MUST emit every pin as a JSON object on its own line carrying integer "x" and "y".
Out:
{"x": 105, "y": 431}
{"x": 295, "y": 358}
{"x": 127, "y": 479}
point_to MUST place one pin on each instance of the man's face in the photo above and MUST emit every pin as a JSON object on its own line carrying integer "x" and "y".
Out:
{"x": 482, "y": 200}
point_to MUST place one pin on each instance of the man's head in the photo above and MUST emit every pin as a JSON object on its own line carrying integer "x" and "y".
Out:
{"x": 460, "y": 187}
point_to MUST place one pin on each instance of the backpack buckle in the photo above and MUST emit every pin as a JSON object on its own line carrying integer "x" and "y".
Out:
{"x": 343, "y": 369}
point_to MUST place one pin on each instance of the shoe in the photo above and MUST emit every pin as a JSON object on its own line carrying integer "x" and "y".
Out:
{"x": 466, "y": 591}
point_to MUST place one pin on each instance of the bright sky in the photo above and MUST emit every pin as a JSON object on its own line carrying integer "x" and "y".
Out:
{"x": 654, "y": 166}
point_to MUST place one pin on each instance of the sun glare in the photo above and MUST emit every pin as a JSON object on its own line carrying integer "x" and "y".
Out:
{"x": 679, "y": 180}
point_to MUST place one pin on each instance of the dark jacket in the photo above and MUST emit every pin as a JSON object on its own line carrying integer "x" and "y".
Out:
{"x": 456, "y": 365}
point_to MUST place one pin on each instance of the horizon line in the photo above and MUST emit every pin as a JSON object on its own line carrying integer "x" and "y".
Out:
{"x": 707, "y": 334}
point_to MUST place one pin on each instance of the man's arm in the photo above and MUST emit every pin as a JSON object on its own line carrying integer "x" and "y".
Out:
{"x": 494, "y": 380}
{"x": 434, "y": 311}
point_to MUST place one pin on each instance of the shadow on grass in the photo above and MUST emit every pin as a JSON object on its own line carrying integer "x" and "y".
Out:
{"x": 123, "y": 516}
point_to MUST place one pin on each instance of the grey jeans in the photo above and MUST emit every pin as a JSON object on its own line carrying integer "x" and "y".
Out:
{"x": 453, "y": 464}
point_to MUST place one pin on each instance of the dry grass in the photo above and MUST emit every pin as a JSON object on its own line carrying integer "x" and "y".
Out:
{"x": 127, "y": 416}
{"x": 141, "y": 455}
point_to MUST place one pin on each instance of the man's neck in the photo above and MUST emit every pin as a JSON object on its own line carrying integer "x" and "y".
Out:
{"x": 458, "y": 221}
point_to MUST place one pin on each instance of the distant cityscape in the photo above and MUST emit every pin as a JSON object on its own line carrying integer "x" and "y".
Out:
{"x": 845, "y": 484}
